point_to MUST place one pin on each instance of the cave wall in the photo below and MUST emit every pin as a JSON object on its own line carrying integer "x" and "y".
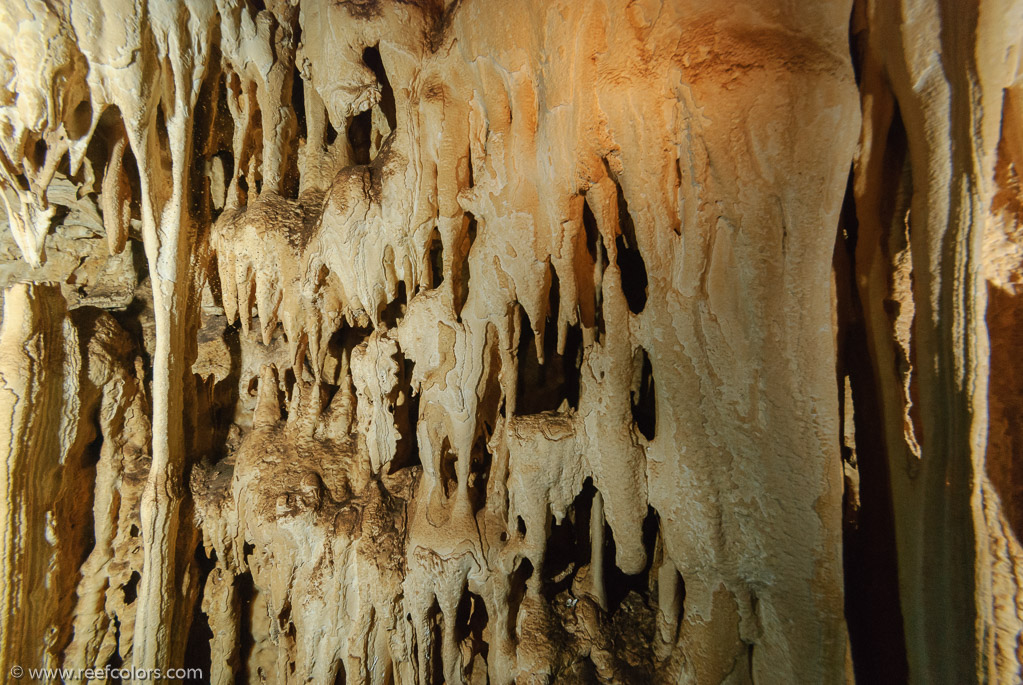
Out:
{"x": 468, "y": 341}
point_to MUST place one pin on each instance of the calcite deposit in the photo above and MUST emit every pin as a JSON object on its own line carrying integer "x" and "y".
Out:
{"x": 494, "y": 341}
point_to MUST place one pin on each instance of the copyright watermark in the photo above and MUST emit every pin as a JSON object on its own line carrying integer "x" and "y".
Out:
{"x": 107, "y": 672}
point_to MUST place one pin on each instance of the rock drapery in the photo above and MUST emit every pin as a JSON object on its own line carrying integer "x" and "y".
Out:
{"x": 484, "y": 341}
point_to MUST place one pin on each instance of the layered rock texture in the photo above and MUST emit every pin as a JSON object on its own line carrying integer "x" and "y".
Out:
{"x": 532, "y": 341}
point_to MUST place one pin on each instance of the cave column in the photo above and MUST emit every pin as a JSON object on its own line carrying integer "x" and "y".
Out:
{"x": 39, "y": 409}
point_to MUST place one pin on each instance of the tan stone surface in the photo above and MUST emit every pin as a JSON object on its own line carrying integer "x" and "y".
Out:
{"x": 488, "y": 341}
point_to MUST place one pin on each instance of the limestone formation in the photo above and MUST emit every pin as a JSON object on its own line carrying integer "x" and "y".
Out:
{"x": 532, "y": 341}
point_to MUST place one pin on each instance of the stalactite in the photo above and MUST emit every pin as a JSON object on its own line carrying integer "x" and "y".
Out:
{"x": 480, "y": 341}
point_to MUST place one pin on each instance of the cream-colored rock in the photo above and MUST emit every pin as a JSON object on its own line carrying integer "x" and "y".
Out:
{"x": 104, "y": 612}
{"x": 41, "y": 405}
{"x": 486, "y": 341}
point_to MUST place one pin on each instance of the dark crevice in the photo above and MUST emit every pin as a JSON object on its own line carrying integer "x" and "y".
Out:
{"x": 550, "y": 327}
{"x": 92, "y": 452}
{"x": 462, "y": 291}
{"x": 205, "y": 142}
{"x": 371, "y": 57}
{"x": 872, "y": 603}
{"x": 131, "y": 588}
{"x": 197, "y": 649}
{"x": 479, "y": 473}
{"x": 116, "y": 661}
{"x": 289, "y": 385}
{"x": 568, "y": 545}
{"x": 109, "y": 129}
{"x": 435, "y": 619}
{"x": 298, "y": 132}
{"x": 162, "y": 138}
{"x": 471, "y": 622}
{"x": 448, "y": 469}
{"x": 630, "y": 261}
{"x": 408, "y": 442}
{"x": 644, "y": 403}
{"x": 344, "y": 340}
{"x": 245, "y": 591}
{"x": 593, "y": 239}
{"x": 39, "y": 151}
{"x": 436, "y": 261}
{"x": 78, "y": 122}
{"x": 223, "y": 133}
{"x": 490, "y": 393}
{"x": 681, "y": 599}
{"x": 340, "y": 678}
{"x": 298, "y": 103}
{"x": 895, "y": 223}
{"x": 222, "y": 400}
{"x": 618, "y": 584}
{"x": 395, "y": 309}
{"x": 544, "y": 387}
{"x": 1004, "y": 312}
{"x": 360, "y": 130}
{"x": 1005, "y": 441}
{"x": 598, "y": 266}
{"x": 516, "y": 591}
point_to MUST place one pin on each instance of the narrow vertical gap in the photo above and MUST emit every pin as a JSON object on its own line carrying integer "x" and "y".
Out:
{"x": 591, "y": 231}
{"x": 435, "y": 619}
{"x": 290, "y": 387}
{"x": 550, "y": 329}
{"x": 479, "y": 473}
{"x": 408, "y": 442}
{"x": 471, "y": 624}
{"x": 568, "y": 545}
{"x": 462, "y": 292}
{"x": 516, "y": 592}
{"x": 644, "y": 403}
{"x": 371, "y": 58}
{"x": 341, "y": 677}
{"x": 197, "y": 647}
{"x": 598, "y": 256}
{"x": 1004, "y": 318}
{"x": 547, "y": 386}
{"x": 630, "y": 261}
{"x": 394, "y": 311}
{"x": 162, "y": 137}
{"x": 130, "y": 590}
{"x": 360, "y": 130}
{"x": 246, "y": 591}
{"x": 39, "y": 151}
{"x": 77, "y": 124}
{"x": 292, "y": 180}
{"x": 435, "y": 262}
{"x": 448, "y": 469}
{"x": 1005, "y": 444}
{"x": 872, "y": 603}
{"x": 618, "y": 584}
